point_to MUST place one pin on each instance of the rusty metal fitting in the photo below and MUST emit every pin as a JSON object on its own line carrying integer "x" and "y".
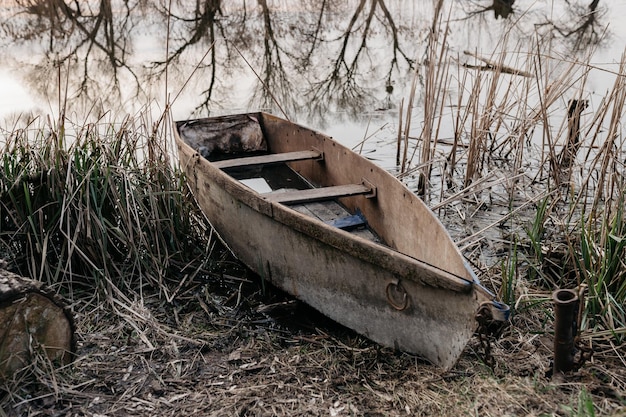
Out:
{"x": 565, "y": 329}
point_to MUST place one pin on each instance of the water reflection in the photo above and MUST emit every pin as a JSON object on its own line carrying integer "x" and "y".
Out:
{"x": 311, "y": 57}
{"x": 301, "y": 56}
{"x": 501, "y": 8}
{"x": 90, "y": 45}
{"x": 582, "y": 26}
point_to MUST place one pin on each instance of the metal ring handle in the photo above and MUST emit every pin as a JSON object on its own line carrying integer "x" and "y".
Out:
{"x": 397, "y": 287}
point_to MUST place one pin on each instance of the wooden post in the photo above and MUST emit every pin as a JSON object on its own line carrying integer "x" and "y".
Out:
{"x": 32, "y": 318}
{"x": 574, "y": 111}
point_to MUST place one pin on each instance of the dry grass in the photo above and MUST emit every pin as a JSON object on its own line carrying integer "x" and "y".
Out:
{"x": 240, "y": 356}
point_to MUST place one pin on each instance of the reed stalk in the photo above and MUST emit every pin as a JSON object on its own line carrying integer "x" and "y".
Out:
{"x": 434, "y": 93}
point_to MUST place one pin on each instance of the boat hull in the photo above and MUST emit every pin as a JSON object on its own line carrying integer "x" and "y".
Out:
{"x": 388, "y": 296}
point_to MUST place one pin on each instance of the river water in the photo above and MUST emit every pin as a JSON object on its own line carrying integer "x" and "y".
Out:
{"x": 320, "y": 61}
{"x": 343, "y": 67}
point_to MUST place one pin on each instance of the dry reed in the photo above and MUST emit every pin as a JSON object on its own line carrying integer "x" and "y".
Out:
{"x": 515, "y": 122}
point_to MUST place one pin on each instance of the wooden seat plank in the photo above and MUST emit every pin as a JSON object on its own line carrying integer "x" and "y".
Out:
{"x": 275, "y": 158}
{"x": 317, "y": 194}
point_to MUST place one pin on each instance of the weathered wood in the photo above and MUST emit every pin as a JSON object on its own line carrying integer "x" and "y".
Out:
{"x": 409, "y": 289}
{"x": 317, "y": 194}
{"x": 569, "y": 151}
{"x": 268, "y": 159}
{"x": 33, "y": 320}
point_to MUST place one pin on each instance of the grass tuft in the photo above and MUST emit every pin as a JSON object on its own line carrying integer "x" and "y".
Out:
{"x": 603, "y": 269}
{"x": 104, "y": 208}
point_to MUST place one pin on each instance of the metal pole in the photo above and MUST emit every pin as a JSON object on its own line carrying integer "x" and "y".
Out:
{"x": 565, "y": 327}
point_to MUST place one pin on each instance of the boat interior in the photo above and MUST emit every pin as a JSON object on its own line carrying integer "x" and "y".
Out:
{"x": 245, "y": 155}
{"x": 272, "y": 177}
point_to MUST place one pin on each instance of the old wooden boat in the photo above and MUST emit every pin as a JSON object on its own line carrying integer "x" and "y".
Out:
{"x": 333, "y": 229}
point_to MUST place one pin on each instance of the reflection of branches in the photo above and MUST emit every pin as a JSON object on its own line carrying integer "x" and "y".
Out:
{"x": 583, "y": 32}
{"x": 501, "y": 8}
{"x": 93, "y": 39}
{"x": 71, "y": 29}
{"x": 341, "y": 86}
{"x": 276, "y": 84}
{"x": 62, "y": 19}
{"x": 315, "y": 36}
{"x": 204, "y": 25}
{"x": 396, "y": 44}
{"x": 581, "y": 26}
